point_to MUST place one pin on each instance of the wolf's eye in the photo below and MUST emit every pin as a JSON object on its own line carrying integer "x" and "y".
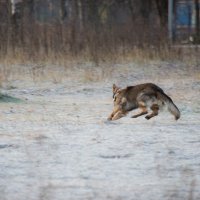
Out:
{"x": 115, "y": 96}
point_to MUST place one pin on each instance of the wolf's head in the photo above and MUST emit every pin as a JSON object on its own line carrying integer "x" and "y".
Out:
{"x": 118, "y": 96}
{"x": 115, "y": 90}
{"x": 119, "y": 101}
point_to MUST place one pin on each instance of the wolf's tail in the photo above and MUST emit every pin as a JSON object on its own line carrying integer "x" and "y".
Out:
{"x": 170, "y": 104}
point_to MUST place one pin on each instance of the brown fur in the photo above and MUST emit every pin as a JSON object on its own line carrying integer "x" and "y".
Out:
{"x": 143, "y": 96}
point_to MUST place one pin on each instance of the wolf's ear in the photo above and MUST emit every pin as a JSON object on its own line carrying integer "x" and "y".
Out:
{"x": 115, "y": 88}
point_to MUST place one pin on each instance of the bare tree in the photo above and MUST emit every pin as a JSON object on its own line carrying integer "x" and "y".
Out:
{"x": 63, "y": 4}
{"x": 29, "y": 6}
{"x": 5, "y": 25}
{"x": 197, "y": 19}
{"x": 162, "y": 7}
{"x": 145, "y": 8}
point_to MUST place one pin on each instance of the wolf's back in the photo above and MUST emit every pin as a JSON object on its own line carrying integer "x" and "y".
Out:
{"x": 170, "y": 104}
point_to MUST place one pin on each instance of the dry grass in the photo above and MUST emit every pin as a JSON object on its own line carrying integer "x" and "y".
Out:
{"x": 57, "y": 67}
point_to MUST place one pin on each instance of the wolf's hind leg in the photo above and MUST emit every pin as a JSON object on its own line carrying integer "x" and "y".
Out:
{"x": 143, "y": 108}
{"x": 155, "y": 109}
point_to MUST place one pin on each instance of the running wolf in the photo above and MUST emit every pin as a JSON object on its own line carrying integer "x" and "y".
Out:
{"x": 143, "y": 96}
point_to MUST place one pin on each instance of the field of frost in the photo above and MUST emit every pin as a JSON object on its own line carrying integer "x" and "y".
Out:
{"x": 56, "y": 143}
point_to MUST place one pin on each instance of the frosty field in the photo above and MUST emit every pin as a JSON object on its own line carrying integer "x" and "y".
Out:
{"x": 56, "y": 144}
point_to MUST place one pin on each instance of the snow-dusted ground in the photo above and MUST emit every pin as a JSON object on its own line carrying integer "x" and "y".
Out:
{"x": 58, "y": 145}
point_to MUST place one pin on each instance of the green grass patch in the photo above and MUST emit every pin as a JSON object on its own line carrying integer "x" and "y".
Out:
{"x": 6, "y": 99}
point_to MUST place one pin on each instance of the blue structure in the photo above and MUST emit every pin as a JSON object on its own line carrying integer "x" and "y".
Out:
{"x": 181, "y": 20}
{"x": 184, "y": 14}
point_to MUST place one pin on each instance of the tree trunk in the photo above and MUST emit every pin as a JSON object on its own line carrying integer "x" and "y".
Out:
{"x": 197, "y": 19}
{"x": 162, "y": 7}
{"x": 145, "y": 8}
{"x": 63, "y": 9}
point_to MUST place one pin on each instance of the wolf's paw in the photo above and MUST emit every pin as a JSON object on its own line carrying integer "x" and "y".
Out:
{"x": 176, "y": 118}
{"x": 147, "y": 117}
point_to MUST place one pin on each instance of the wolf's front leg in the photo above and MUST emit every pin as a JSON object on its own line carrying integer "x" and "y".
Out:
{"x": 118, "y": 110}
{"x": 115, "y": 110}
{"x": 118, "y": 115}
{"x": 111, "y": 116}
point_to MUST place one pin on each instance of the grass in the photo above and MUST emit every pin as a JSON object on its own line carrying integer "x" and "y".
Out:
{"x": 7, "y": 99}
{"x": 85, "y": 67}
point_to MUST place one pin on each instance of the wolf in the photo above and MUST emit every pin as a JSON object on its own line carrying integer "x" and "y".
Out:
{"x": 142, "y": 96}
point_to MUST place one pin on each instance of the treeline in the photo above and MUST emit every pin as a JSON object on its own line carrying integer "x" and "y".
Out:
{"x": 76, "y": 27}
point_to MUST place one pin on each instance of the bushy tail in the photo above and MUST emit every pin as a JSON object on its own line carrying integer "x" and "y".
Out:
{"x": 170, "y": 104}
